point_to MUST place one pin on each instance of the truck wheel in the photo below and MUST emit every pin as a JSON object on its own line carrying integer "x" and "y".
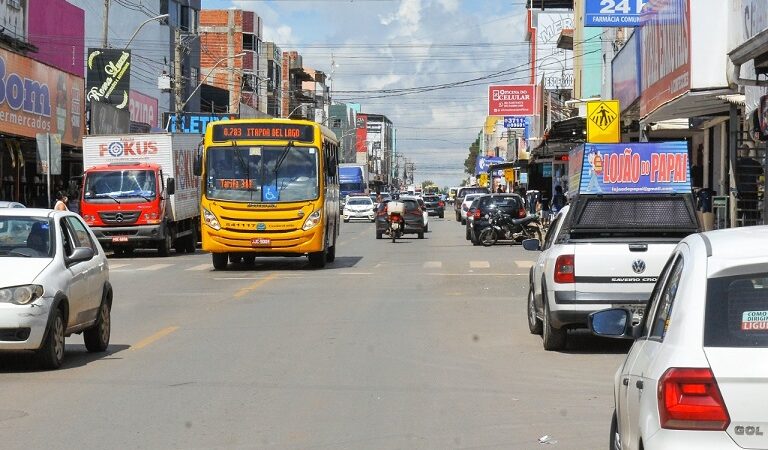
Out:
{"x": 553, "y": 338}
{"x": 192, "y": 240}
{"x": 164, "y": 246}
{"x": 220, "y": 260}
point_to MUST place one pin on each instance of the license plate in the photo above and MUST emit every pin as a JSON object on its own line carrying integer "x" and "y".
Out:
{"x": 637, "y": 311}
{"x": 395, "y": 226}
{"x": 260, "y": 242}
{"x": 119, "y": 238}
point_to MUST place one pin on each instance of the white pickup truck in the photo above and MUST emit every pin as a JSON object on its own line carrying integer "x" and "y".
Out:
{"x": 602, "y": 252}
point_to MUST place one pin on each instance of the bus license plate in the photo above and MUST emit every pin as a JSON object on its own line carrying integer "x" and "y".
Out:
{"x": 258, "y": 242}
{"x": 119, "y": 238}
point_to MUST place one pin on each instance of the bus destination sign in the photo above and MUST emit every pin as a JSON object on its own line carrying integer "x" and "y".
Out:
{"x": 224, "y": 132}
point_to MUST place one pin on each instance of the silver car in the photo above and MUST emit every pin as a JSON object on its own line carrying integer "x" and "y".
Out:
{"x": 54, "y": 281}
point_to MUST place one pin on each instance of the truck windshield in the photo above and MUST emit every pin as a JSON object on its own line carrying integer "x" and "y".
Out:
{"x": 251, "y": 174}
{"x": 120, "y": 184}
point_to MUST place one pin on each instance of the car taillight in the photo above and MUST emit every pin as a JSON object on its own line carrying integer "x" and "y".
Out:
{"x": 689, "y": 399}
{"x": 477, "y": 214}
{"x": 521, "y": 213}
{"x": 565, "y": 269}
{"x": 440, "y": 204}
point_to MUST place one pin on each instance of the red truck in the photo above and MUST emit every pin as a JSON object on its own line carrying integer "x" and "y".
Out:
{"x": 140, "y": 191}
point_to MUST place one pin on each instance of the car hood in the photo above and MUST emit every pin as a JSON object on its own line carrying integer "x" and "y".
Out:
{"x": 18, "y": 271}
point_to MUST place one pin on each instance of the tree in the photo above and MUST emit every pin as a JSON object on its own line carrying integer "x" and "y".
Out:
{"x": 426, "y": 183}
{"x": 474, "y": 151}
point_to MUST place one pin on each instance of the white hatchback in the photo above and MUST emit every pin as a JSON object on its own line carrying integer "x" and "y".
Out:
{"x": 54, "y": 281}
{"x": 697, "y": 371}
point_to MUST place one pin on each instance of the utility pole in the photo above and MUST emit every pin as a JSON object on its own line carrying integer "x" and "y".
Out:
{"x": 104, "y": 39}
{"x": 178, "y": 77}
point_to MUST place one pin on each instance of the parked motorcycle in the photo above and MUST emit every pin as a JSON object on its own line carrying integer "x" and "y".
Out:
{"x": 503, "y": 226}
{"x": 395, "y": 220}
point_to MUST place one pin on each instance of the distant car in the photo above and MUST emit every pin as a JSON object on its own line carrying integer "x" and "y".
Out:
{"x": 699, "y": 357}
{"x": 435, "y": 205}
{"x": 470, "y": 219}
{"x": 414, "y": 218}
{"x": 359, "y": 208}
{"x": 464, "y": 205}
{"x": 459, "y": 199}
{"x": 423, "y": 207}
{"x": 7, "y": 204}
{"x": 55, "y": 283}
{"x": 511, "y": 204}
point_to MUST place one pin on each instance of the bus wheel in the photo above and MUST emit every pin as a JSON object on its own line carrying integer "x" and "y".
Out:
{"x": 220, "y": 260}
{"x": 318, "y": 259}
{"x": 331, "y": 257}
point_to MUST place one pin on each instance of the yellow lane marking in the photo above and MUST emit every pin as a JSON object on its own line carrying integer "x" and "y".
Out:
{"x": 155, "y": 337}
{"x": 255, "y": 285}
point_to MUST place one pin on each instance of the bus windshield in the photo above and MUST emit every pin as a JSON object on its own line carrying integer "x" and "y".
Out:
{"x": 255, "y": 174}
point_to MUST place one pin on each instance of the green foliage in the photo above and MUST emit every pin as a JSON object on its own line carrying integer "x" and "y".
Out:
{"x": 469, "y": 163}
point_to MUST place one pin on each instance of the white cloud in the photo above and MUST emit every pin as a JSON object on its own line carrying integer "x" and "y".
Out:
{"x": 282, "y": 33}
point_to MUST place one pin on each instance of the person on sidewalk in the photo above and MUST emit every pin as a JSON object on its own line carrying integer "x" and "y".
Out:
{"x": 61, "y": 202}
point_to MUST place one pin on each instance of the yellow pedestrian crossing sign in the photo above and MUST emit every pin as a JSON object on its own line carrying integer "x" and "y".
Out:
{"x": 509, "y": 175}
{"x": 603, "y": 122}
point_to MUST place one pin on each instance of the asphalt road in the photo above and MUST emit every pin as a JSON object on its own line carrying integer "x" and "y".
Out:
{"x": 417, "y": 344}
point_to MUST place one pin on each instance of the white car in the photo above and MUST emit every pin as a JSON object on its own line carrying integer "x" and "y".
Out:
{"x": 361, "y": 207}
{"x": 54, "y": 281}
{"x": 695, "y": 375}
{"x": 466, "y": 203}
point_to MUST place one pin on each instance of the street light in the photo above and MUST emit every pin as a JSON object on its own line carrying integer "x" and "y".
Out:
{"x": 297, "y": 107}
{"x": 160, "y": 17}
{"x": 181, "y": 108}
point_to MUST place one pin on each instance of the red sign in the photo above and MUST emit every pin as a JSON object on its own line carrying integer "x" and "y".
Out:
{"x": 144, "y": 109}
{"x": 361, "y": 131}
{"x": 511, "y": 100}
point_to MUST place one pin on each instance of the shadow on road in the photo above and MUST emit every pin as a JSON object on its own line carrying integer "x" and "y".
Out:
{"x": 584, "y": 342}
{"x": 291, "y": 264}
{"x": 75, "y": 355}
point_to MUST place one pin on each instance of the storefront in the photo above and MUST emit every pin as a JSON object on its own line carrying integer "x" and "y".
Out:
{"x": 37, "y": 99}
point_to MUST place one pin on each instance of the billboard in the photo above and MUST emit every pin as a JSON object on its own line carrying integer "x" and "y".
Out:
{"x": 193, "y": 123}
{"x": 666, "y": 53}
{"x": 554, "y": 66}
{"x": 143, "y": 108}
{"x": 361, "y": 131}
{"x": 107, "y": 119}
{"x": 109, "y": 76}
{"x": 57, "y": 29}
{"x": 511, "y": 100}
{"x": 36, "y": 98}
{"x": 631, "y": 168}
{"x": 625, "y": 69}
{"x": 613, "y": 13}
{"x": 483, "y": 162}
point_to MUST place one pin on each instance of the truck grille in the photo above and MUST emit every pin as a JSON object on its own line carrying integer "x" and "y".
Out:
{"x": 120, "y": 217}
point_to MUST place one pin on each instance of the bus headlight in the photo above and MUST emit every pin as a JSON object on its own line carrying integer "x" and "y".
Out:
{"x": 211, "y": 220}
{"x": 312, "y": 220}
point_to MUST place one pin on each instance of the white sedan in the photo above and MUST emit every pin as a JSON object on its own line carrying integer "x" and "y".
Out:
{"x": 697, "y": 371}
{"x": 361, "y": 207}
{"x": 54, "y": 281}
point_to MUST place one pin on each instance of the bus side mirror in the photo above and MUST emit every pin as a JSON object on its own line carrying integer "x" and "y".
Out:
{"x": 171, "y": 189}
{"x": 197, "y": 166}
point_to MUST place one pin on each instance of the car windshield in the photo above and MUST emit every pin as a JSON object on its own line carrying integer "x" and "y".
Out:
{"x": 30, "y": 237}
{"x": 255, "y": 174}
{"x": 359, "y": 201}
{"x": 122, "y": 184}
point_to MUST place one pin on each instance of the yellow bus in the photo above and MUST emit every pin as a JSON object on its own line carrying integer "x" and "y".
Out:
{"x": 270, "y": 187}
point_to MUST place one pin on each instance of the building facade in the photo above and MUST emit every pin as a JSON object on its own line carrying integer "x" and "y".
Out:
{"x": 271, "y": 63}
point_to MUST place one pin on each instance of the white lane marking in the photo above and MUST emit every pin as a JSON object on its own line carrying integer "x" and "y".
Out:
{"x": 156, "y": 267}
{"x": 433, "y": 264}
{"x": 201, "y": 267}
{"x": 524, "y": 264}
{"x": 117, "y": 266}
{"x": 479, "y": 264}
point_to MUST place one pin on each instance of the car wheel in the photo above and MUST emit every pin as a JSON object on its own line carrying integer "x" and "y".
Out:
{"x": 220, "y": 260}
{"x": 318, "y": 259}
{"x": 51, "y": 353}
{"x": 553, "y": 338}
{"x": 615, "y": 438}
{"x": 426, "y": 228}
{"x": 534, "y": 324}
{"x": 346, "y": 220}
{"x": 421, "y": 235}
{"x": 458, "y": 217}
{"x": 96, "y": 338}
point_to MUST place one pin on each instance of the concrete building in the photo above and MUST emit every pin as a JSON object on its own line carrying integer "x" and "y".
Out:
{"x": 297, "y": 103}
{"x": 271, "y": 63}
{"x": 223, "y": 35}
{"x": 341, "y": 120}
{"x": 380, "y": 145}
{"x": 318, "y": 89}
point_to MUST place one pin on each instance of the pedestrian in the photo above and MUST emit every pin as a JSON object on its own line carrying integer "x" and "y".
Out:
{"x": 499, "y": 189}
{"x": 558, "y": 200}
{"x": 61, "y": 202}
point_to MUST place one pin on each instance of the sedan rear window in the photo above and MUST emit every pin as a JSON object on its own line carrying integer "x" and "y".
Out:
{"x": 737, "y": 311}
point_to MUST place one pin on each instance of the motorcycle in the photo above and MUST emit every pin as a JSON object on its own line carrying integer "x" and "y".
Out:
{"x": 504, "y": 226}
{"x": 395, "y": 220}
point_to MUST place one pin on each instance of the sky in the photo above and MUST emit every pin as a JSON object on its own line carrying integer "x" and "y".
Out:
{"x": 388, "y": 55}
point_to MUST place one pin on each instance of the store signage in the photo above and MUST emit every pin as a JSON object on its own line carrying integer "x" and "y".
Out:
{"x": 515, "y": 122}
{"x": 633, "y": 168}
{"x": 36, "y": 98}
{"x": 554, "y": 65}
{"x": 511, "y": 100}
{"x": 193, "y": 123}
{"x": 625, "y": 69}
{"x": 143, "y": 108}
{"x": 613, "y": 13}
{"x": 603, "y": 123}
{"x": 109, "y": 76}
{"x": 107, "y": 119}
{"x": 223, "y": 132}
{"x": 484, "y": 162}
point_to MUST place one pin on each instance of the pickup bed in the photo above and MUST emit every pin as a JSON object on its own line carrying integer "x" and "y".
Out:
{"x": 602, "y": 252}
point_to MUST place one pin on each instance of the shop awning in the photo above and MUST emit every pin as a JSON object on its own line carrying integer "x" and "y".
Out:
{"x": 693, "y": 104}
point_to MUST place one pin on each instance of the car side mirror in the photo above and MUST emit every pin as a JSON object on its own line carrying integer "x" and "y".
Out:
{"x": 80, "y": 254}
{"x": 532, "y": 245}
{"x": 612, "y": 323}
{"x": 171, "y": 188}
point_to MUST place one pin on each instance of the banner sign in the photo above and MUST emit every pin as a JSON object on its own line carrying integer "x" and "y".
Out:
{"x": 632, "y": 168}
{"x": 143, "y": 108}
{"x": 603, "y": 123}
{"x": 554, "y": 65}
{"x": 483, "y": 162}
{"x": 194, "y": 123}
{"x": 109, "y": 76}
{"x": 511, "y": 100}
{"x": 107, "y": 119}
{"x": 613, "y": 13}
{"x": 43, "y": 141}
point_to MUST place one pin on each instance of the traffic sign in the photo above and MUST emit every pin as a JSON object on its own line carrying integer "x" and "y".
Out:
{"x": 483, "y": 179}
{"x": 509, "y": 175}
{"x": 603, "y": 122}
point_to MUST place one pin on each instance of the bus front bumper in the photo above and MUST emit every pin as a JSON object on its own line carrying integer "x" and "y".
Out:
{"x": 297, "y": 242}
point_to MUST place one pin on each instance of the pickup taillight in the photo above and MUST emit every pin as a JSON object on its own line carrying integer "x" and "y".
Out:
{"x": 565, "y": 269}
{"x": 521, "y": 213}
{"x": 689, "y": 399}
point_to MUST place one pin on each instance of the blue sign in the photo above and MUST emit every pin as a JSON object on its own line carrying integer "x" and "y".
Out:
{"x": 634, "y": 168}
{"x": 546, "y": 169}
{"x": 516, "y": 122}
{"x": 269, "y": 193}
{"x": 613, "y": 13}
{"x": 193, "y": 123}
{"x": 483, "y": 162}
